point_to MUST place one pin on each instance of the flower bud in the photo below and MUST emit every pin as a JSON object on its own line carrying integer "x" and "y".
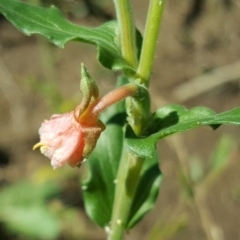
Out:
{"x": 88, "y": 88}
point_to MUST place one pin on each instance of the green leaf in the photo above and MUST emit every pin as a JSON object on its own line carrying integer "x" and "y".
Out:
{"x": 39, "y": 193}
{"x": 173, "y": 119}
{"x": 23, "y": 207}
{"x": 50, "y": 23}
{"x": 221, "y": 154}
{"x": 24, "y": 220}
{"x": 99, "y": 187}
{"x": 187, "y": 184}
{"x": 147, "y": 191}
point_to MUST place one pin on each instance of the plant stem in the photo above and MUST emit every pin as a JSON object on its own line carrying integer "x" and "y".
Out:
{"x": 130, "y": 165}
{"x": 127, "y": 31}
{"x": 114, "y": 96}
{"x": 89, "y": 117}
{"x": 212, "y": 230}
{"x": 150, "y": 40}
{"x": 126, "y": 185}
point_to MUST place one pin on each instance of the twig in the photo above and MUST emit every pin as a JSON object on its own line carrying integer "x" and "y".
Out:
{"x": 207, "y": 81}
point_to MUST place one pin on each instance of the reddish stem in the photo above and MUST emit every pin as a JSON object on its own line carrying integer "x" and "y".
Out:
{"x": 90, "y": 115}
{"x": 114, "y": 97}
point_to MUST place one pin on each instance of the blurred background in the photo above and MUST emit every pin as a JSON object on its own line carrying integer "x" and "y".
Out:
{"x": 197, "y": 63}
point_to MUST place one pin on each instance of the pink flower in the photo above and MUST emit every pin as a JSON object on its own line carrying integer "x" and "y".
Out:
{"x": 64, "y": 140}
{"x": 71, "y": 137}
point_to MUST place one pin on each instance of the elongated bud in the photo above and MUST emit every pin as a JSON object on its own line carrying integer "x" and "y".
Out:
{"x": 88, "y": 88}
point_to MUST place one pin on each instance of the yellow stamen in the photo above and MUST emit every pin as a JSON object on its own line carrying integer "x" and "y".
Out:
{"x": 38, "y": 145}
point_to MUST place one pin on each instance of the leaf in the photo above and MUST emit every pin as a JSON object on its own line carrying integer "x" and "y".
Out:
{"x": 23, "y": 207}
{"x": 187, "y": 184}
{"x": 221, "y": 154}
{"x": 219, "y": 159}
{"x": 147, "y": 191}
{"x": 50, "y": 23}
{"x": 173, "y": 119}
{"x": 99, "y": 187}
{"x": 24, "y": 220}
{"x": 39, "y": 193}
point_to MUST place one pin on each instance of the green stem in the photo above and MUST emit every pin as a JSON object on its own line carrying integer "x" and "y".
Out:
{"x": 126, "y": 185}
{"x": 150, "y": 40}
{"x": 130, "y": 165}
{"x": 126, "y": 31}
